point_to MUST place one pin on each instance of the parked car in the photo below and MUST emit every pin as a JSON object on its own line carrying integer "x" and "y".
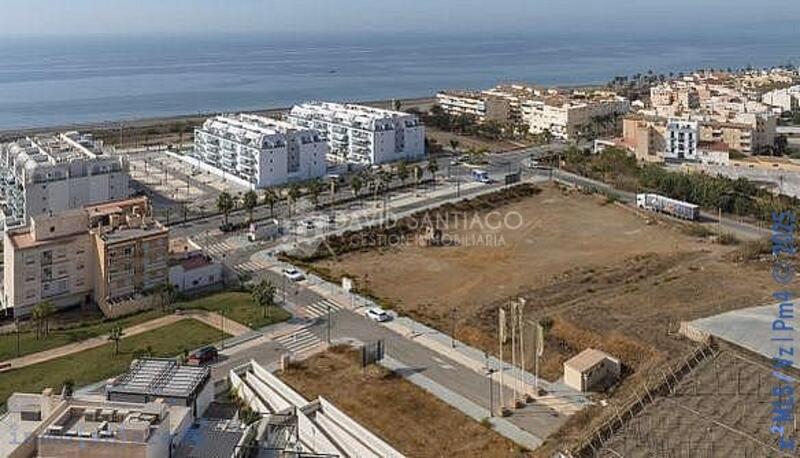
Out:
{"x": 378, "y": 314}
{"x": 293, "y": 274}
{"x": 203, "y": 356}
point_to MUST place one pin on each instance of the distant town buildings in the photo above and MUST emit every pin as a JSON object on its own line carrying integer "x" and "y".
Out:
{"x": 568, "y": 117}
{"x": 561, "y": 113}
{"x": 49, "y": 174}
{"x": 363, "y": 134}
{"x": 783, "y": 100}
{"x": 259, "y": 152}
{"x": 109, "y": 254}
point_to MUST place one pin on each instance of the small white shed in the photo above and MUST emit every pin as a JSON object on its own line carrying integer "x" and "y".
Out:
{"x": 591, "y": 368}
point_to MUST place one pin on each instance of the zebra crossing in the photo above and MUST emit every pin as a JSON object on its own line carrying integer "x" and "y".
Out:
{"x": 213, "y": 246}
{"x": 319, "y": 309}
{"x": 251, "y": 266}
{"x": 300, "y": 341}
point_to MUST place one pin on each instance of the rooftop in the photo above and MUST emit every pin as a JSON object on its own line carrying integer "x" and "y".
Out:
{"x": 588, "y": 359}
{"x": 161, "y": 378}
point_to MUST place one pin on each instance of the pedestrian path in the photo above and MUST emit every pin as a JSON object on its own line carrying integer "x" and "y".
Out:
{"x": 251, "y": 266}
{"x": 301, "y": 341}
{"x": 213, "y": 246}
{"x": 319, "y": 309}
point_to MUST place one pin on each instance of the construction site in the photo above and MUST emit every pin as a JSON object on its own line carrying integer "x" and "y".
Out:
{"x": 595, "y": 273}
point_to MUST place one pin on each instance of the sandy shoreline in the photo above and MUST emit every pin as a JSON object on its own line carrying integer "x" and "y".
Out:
{"x": 197, "y": 119}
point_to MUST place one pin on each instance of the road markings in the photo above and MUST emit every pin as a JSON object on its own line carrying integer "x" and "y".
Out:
{"x": 300, "y": 341}
{"x": 319, "y": 309}
{"x": 251, "y": 266}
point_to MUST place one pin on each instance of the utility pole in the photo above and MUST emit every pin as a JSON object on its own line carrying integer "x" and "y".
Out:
{"x": 329, "y": 324}
{"x": 453, "y": 314}
{"x": 16, "y": 329}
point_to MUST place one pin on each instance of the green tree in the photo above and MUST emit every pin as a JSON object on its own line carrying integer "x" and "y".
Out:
{"x": 225, "y": 205}
{"x": 402, "y": 172}
{"x": 454, "y": 145}
{"x": 250, "y": 201}
{"x": 115, "y": 336}
{"x": 356, "y": 184}
{"x": 41, "y": 314}
{"x": 433, "y": 167}
{"x": 263, "y": 295}
{"x": 168, "y": 295}
{"x": 315, "y": 188}
{"x": 271, "y": 198}
{"x": 292, "y": 197}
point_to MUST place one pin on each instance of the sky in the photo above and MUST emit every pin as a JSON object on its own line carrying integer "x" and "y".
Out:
{"x": 293, "y": 17}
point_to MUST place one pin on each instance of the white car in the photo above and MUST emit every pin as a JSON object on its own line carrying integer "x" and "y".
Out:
{"x": 378, "y": 314}
{"x": 293, "y": 274}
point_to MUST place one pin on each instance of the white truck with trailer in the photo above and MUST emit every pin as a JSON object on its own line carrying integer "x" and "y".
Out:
{"x": 669, "y": 206}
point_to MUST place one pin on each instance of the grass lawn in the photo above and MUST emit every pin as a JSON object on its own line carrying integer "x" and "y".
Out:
{"x": 241, "y": 309}
{"x": 99, "y": 363}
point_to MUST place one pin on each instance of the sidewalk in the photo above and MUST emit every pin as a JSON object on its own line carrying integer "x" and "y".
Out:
{"x": 209, "y": 318}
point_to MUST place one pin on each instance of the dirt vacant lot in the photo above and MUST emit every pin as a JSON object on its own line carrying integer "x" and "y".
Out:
{"x": 407, "y": 417}
{"x": 604, "y": 275}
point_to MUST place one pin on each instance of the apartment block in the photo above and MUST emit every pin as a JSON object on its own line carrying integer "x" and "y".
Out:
{"x": 56, "y": 173}
{"x": 103, "y": 254}
{"x": 567, "y": 117}
{"x": 259, "y": 152}
{"x": 363, "y": 134}
{"x": 681, "y": 140}
{"x": 479, "y": 105}
{"x": 645, "y": 137}
{"x": 131, "y": 251}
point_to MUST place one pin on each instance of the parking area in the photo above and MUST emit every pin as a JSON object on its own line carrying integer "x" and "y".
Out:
{"x": 171, "y": 184}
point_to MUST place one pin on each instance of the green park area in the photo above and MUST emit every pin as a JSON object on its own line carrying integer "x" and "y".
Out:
{"x": 237, "y": 306}
{"x": 101, "y": 363}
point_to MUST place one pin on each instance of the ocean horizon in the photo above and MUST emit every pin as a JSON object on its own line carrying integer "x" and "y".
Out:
{"x": 52, "y": 81}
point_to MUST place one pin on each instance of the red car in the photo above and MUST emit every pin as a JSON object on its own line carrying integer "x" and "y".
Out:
{"x": 203, "y": 356}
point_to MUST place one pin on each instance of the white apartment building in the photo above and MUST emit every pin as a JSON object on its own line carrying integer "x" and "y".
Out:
{"x": 259, "y": 152}
{"x": 56, "y": 173}
{"x": 567, "y": 118}
{"x": 363, "y": 134}
{"x": 681, "y": 140}
{"x": 481, "y": 106}
{"x": 783, "y": 99}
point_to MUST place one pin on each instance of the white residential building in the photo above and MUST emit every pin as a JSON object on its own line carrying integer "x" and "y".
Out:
{"x": 481, "y": 106}
{"x": 681, "y": 140}
{"x": 783, "y": 99}
{"x": 259, "y": 152}
{"x": 50, "y": 174}
{"x": 363, "y": 134}
{"x": 567, "y": 118}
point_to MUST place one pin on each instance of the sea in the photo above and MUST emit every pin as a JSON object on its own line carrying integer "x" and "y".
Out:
{"x": 58, "y": 81}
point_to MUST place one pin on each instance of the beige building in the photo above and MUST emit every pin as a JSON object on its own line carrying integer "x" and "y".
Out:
{"x": 102, "y": 254}
{"x": 482, "y": 106}
{"x": 645, "y": 137}
{"x": 567, "y": 117}
{"x": 591, "y": 369}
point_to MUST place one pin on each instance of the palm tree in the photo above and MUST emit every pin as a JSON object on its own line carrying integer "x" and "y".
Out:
{"x": 41, "y": 315}
{"x": 433, "y": 167}
{"x": 292, "y": 196}
{"x": 454, "y": 145}
{"x": 263, "y": 295}
{"x": 115, "y": 336}
{"x": 356, "y": 184}
{"x": 250, "y": 201}
{"x": 168, "y": 295}
{"x": 418, "y": 172}
{"x": 271, "y": 198}
{"x": 402, "y": 173}
{"x": 315, "y": 189}
{"x": 225, "y": 204}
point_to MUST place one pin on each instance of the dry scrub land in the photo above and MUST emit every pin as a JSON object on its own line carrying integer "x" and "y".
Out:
{"x": 407, "y": 417}
{"x": 608, "y": 277}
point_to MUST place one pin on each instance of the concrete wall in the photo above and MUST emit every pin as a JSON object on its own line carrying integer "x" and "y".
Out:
{"x": 377, "y": 445}
{"x": 286, "y": 392}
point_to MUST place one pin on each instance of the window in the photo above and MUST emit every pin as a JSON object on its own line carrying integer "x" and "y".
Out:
{"x": 52, "y": 229}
